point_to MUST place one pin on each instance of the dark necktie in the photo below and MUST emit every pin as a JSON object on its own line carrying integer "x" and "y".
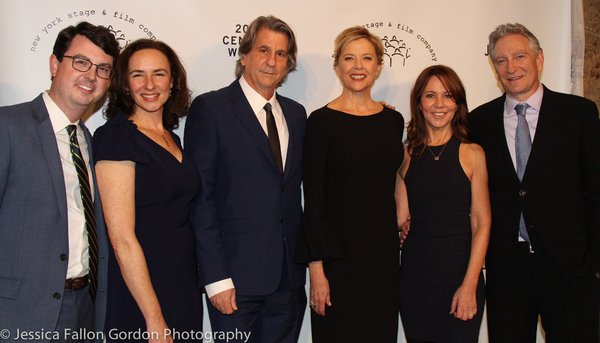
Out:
{"x": 274, "y": 137}
{"x": 88, "y": 207}
{"x": 523, "y": 148}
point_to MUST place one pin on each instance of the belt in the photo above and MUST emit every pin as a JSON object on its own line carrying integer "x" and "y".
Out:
{"x": 78, "y": 283}
{"x": 526, "y": 247}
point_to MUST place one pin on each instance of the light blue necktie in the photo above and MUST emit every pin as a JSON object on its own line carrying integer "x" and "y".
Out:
{"x": 523, "y": 148}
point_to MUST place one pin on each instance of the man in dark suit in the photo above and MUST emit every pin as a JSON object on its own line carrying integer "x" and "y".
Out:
{"x": 246, "y": 142}
{"x": 543, "y": 157}
{"x": 52, "y": 285}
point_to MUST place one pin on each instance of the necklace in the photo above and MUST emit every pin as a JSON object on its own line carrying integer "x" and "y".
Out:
{"x": 165, "y": 138}
{"x": 440, "y": 154}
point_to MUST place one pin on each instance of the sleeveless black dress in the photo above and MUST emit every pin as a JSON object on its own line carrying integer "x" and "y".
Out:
{"x": 164, "y": 190}
{"x": 436, "y": 253}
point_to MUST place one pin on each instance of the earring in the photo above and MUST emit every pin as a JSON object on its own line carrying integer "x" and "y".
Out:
{"x": 127, "y": 91}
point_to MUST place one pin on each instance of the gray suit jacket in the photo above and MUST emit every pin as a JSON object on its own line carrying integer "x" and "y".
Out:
{"x": 33, "y": 223}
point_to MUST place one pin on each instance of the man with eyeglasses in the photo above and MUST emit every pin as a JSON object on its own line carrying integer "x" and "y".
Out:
{"x": 104, "y": 71}
{"x": 53, "y": 242}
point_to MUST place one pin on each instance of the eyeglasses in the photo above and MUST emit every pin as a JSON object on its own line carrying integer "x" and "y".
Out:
{"x": 104, "y": 71}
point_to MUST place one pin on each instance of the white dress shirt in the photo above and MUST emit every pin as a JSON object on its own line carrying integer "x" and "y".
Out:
{"x": 257, "y": 102}
{"x": 78, "y": 240}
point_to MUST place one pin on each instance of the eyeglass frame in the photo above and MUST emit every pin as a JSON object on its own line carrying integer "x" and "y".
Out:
{"x": 112, "y": 70}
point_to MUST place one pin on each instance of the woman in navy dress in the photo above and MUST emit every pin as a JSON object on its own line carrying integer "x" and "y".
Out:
{"x": 146, "y": 186}
{"x": 442, "y": 187}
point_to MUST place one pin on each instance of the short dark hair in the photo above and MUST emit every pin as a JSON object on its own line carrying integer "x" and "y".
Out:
{"x": 99, "y": 35}
{"x": 119, "y": 100}
{"x": 273, "y": 24}
{"x": 416, "y": 133}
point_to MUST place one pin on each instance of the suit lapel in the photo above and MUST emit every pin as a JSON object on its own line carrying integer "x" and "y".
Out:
{"x": 242, "y": 110}
{"x": 88, "y": 139}
{"x": 50, "y": 149}
{"x": 294, "y": 138}
{"x": 545, "y": 131}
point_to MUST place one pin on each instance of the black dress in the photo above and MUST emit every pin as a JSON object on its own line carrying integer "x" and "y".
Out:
{"x": 436, "y": 253}
{"x": 164, "y": 189}
{"x": 349, "y": 168}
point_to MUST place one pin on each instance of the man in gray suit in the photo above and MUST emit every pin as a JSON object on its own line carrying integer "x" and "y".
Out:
{"x": 53, "y": 242}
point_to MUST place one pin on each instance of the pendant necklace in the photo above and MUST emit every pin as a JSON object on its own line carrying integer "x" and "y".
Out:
{"x": 440, "y": 154}
{"x": 165, "y": 138}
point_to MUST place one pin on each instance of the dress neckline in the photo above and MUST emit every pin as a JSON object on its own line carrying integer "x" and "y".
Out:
{"x": 155, "y": 143}
{"x": 354, "y": 115}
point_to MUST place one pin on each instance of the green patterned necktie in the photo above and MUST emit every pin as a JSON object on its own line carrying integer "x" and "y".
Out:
{"x": 88, "y": 207}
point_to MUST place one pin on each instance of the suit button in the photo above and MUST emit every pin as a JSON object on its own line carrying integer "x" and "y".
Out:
{"x": 281, "y": 220}
{"x": 56, "y": 295}
{"x": 283, "y": 189}
{"x": 63, "y": 257}
{"x": 522, "y": 193}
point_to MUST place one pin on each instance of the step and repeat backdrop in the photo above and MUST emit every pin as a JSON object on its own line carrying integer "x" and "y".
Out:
{"x": 206, "y": 34}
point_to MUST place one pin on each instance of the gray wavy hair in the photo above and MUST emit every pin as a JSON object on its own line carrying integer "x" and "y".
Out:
{"x": 273, "y": 24}
{"x": 513, "y": 29}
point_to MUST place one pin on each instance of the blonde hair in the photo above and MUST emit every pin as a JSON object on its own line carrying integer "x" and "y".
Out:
{"x": 352, "y": 34}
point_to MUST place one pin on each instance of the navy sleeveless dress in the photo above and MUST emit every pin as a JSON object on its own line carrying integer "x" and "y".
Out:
{"x": 436, "y": 253}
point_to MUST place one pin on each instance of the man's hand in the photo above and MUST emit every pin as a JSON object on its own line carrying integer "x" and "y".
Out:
{"x": 225, "y": 301}
{"x": 387, "y": 105}
{"x": 404, "y": 231}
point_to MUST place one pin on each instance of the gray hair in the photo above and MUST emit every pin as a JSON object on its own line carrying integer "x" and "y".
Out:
{"x": 273, "y": 24}
{"x": 513, "y": 29}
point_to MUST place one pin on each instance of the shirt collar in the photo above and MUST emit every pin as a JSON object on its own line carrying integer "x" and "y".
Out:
{"x": 257, "y": 102}
{"x": 534, "y": 101}
{"x": 58, "y": 118}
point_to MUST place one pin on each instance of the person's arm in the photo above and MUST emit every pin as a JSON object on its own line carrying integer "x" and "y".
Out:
{"x": 201, "y": 147}
{"x": 472, "y": 158}
{"x": 4, "y": 157}
{"x": 590, "y": 164}
{"x": 116, "y": 183}
{"x": 314, "y": 167}
{"x": 402, "y": 210}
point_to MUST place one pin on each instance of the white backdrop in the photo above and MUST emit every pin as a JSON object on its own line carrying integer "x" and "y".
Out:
{"x": 206, "y": 35}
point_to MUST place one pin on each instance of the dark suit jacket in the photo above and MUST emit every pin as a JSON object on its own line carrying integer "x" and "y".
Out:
{"x": 247, "y": 216}
{"x": 33, "y": 222}
{"x": 559, "y": 194}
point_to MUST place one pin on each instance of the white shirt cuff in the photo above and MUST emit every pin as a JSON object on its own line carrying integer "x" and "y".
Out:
{"x": 218, "y": 287}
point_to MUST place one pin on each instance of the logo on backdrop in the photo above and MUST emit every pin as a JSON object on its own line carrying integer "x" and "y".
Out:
{"x": 402, "y": 44}
{"x": 232, "y": 41}
{"x": 124, "y": 26}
